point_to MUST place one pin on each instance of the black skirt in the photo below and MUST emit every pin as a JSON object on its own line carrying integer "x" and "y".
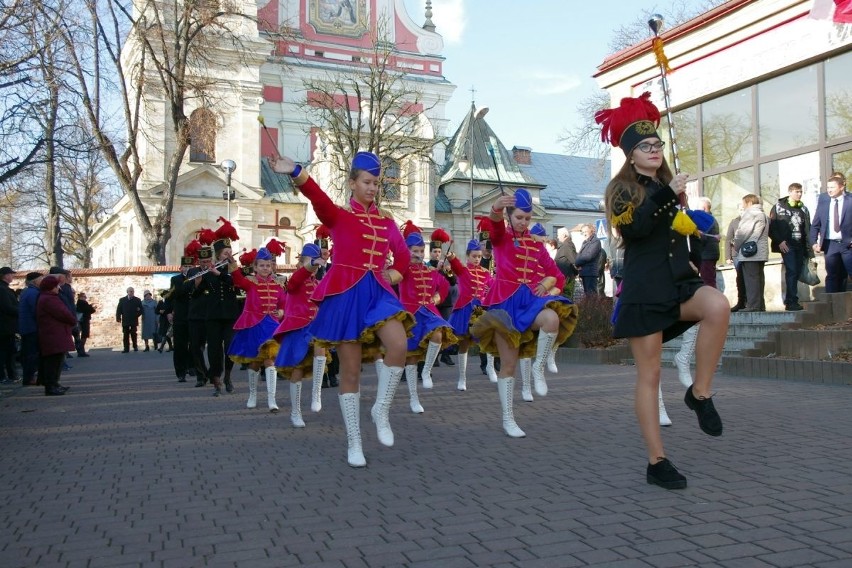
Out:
{"x": 639, "y": 320}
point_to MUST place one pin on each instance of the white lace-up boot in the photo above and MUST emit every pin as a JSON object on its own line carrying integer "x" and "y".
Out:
{"x": 316, "y": 386}
{"x": 664, "y": 418}
{"x": 350, "y": 407}
{"x": 271, "y": 386}
{"x": 506, "y": 388}
{"x": 388, "y": 381}
{"x": 296, "y": 404}
{"x": 551, "y": 361}
{"x": 431, "y": 355}
{"x": 489, "y": 368}
{"x": 253, "y": 376}
{"x": 411, "y": 379}
{"x": 526, "y": 375}
{"x": 462, "y": 364}
{"x": 545, "y": 344}
{"x": 683, "y": 358}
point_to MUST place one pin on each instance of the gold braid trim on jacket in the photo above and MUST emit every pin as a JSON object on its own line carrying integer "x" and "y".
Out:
{"x": 625, "y": 199}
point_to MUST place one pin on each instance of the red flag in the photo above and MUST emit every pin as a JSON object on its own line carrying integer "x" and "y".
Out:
{"x": 843, "y": 11}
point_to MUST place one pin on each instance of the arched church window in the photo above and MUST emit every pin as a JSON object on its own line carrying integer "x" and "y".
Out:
{"x": 391, "y": 180}
{"x": 202, "y": 136}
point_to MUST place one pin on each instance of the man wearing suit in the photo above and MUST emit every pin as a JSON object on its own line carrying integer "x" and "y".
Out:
{"x": 587, "y": 259}
{"x": 831, "y": 232}
{"x": 127, "y": 314}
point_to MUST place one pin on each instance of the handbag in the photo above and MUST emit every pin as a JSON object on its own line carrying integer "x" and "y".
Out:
{"x": 808, "y": 275}
{"x": 749, "y": 248}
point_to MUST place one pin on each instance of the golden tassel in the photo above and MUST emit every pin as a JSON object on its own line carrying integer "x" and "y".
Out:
{"x": 660, "y": 55}
{"x": 624, "y": 218}
{"x": 684, "y": 225}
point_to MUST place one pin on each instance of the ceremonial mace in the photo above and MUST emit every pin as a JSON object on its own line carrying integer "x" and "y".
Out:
{"x": 500, "y": 184}
{"x": 274, "y": 145}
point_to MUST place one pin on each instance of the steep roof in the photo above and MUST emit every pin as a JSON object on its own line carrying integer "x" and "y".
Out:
{"x": 573, "y": 182}
{"x": 482, "y": 140}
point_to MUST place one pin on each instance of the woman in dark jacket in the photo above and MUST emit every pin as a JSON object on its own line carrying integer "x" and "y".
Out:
{"x": 55, "y": 323}
{"x": 661, "y": 294}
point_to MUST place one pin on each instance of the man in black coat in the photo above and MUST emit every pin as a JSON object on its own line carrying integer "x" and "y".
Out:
{"x": 446, "y": 305}
{"x": 8, "y": 326}
{"x": 177, "y": 311}
{"x": 127, "y": 314}
{"x": 587, "y": 260}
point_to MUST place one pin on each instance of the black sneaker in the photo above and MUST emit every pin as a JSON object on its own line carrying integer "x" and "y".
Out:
{"x": 229, "y": 386}
{"x": 182, "y": 379}
{"x": 665, "y": 474}
{"x": 794, "y": 307}
{"x": 708, "y": 418}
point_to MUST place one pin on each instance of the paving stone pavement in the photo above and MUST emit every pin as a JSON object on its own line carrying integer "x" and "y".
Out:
{"x": 132, "y": 468}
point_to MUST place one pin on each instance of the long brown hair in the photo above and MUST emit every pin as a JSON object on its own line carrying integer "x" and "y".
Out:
{"x": 624, "y": 192}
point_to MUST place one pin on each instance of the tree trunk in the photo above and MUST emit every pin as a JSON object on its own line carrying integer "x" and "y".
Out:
{"x": 53, "y": 238}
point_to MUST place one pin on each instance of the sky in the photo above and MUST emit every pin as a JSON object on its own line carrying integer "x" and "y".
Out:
{"x": 529, "y": 62}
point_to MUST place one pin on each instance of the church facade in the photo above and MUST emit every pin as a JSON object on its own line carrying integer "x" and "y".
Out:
{"x": 263, "y": 106}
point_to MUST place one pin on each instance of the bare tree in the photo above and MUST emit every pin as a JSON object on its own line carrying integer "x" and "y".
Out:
{"x": 374, "y": 108}
{"x": 168, "y": 49}
{"x": 20, "y": 143}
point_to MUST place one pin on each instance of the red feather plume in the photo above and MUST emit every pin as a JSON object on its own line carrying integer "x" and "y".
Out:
{"x": 440, "y": 235}
{"x": 206, "y": 236}
{"x": 247, "y": 258}
{"x": 409, "y": 227}
{"x": 323, "y": 232}
{"x": 226, "y": 231}
{"x": 192, "y": 248}
{"x": 275, "y": 247}
{"x": 484, "y": 223}
{"x": 614, "y": 121}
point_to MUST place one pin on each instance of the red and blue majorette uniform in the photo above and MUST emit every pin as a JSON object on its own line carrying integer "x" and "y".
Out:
{"x": 473, "y": 284}
{"x": 292, "y": 333}
{"x": 417, "y": 292}
{"x": 511, "y": 298}
{"x": 264, "y": 299}
{"x": 355, "y": 297}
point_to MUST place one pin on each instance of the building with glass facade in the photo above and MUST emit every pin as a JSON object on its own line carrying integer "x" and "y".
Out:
{"x": 761, "y": 97}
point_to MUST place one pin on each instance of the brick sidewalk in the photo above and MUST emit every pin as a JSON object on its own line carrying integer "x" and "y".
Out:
{"x": 132, "y": 468}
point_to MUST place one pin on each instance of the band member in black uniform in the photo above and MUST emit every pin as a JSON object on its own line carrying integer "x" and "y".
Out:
{"x": 323, "y": 241}
{"x": 222, "y": 311}
{"x": 446, "y": 305}
{"x": 199, "y": 299}
{"x": 662, "y": 294}
{"x": 177, "y": 310}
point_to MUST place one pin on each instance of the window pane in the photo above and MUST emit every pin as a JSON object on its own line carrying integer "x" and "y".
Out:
{"x": 787, "y": 111}
{"x": 726, "y": 193}
{"x": 838, "y": 96}
{"x": 776, "y": 177}
{"x": 726, "y": 129}
{"x": 390, "y": 180}
{"x": 842, "y": 162}
{"x": 686, "y": 131}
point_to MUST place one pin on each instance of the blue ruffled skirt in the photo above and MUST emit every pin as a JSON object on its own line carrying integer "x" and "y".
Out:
{"x": 356, "y": 314}
{"x": 425, "y": 324}
{"x": 461, "y": 318}
{"x": 295, "y": 350}
{"x": 246, "y": 343}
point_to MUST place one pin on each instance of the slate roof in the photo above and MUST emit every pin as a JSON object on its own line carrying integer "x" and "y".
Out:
{"x": 573, "y": 182}
{"x": 277, "y": 186}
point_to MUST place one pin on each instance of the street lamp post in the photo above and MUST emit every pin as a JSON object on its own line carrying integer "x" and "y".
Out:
{"x": 228, "y": 166}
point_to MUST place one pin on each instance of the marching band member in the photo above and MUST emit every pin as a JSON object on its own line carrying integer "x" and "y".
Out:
{"x": 519, "y": 304}
{"x": 199, "y": 301}
{"x": 263, "y": 309}
{"x": 472, "y": 280}
{"x": 296, "y": 353}
{"x": 359, "y": 313}
{"x": 662, "y": 293}
{"x": 222, "y": 311}
{"x": 422, "y": 288}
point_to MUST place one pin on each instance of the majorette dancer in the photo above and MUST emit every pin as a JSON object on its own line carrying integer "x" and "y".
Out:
{"x": 359, "y": 313}
{"x": 519, "y": 304}
{"x": 264, "y": 308}
{"x": 296, "y": 353}
{"x": 422, "y": 288}
{"x": 472, "y": 281}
